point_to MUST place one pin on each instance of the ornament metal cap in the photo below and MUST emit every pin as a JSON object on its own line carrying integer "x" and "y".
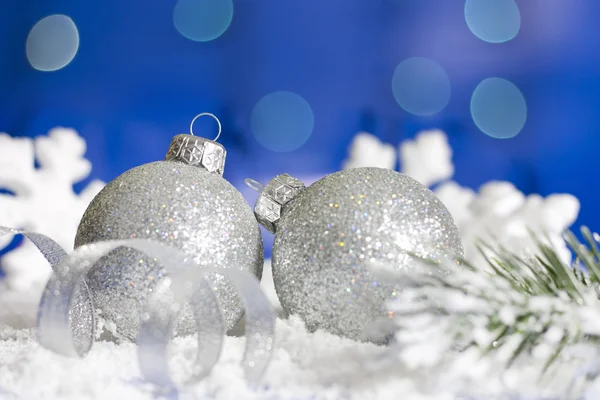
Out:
{"x": 273, "y": 198}
{"x": 198, "y": 151}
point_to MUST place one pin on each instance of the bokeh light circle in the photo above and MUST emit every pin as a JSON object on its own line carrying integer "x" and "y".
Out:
{"x": 498, "y": 108}
{"x": 494, "y": 21}
{"x": 202, "y": 20}
{"x": 282, "y": 121}
{"x": 52, "y": 43}
{"x": 421, "y": 86}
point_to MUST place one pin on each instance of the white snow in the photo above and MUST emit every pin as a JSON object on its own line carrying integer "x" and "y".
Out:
{"x": 305, "y": 366}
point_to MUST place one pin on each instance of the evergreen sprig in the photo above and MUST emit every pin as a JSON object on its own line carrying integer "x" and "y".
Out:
{"x": 511, "y": 308}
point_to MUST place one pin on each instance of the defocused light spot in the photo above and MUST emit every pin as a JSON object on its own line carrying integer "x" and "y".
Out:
{"x": 493, "y": 21}
{"x": 202, "y": 20}
{"x": 282, "y": 121}
{"x": 52, "y": 43}
{"x": 421, "y": 86}
{"x": 498, "y": 108}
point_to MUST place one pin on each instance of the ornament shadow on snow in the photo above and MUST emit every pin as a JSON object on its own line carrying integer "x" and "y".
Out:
{"x": 66, "y": 322}
{"x": 326, "y": 234}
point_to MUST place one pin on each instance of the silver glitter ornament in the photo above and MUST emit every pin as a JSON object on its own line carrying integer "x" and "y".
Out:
{"x": 328, "y": 235}
{"x": 184, "y": 202}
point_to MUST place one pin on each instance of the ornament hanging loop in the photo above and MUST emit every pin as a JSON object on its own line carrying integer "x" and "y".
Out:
{"x": 198, "y": 151}
{"x": 259, "y": 187}
{"x": 207, "y": 114}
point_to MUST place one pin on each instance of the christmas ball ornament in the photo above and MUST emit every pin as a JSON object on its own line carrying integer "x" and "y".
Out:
{"x": 328, "y": 235}
{"x": 182, "y": 201}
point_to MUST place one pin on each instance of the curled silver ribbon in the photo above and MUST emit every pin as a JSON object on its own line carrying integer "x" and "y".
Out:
{"x": 185, "y": 283}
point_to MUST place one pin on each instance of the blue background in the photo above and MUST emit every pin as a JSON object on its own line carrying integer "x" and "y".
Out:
{"x": 136, "y": 79}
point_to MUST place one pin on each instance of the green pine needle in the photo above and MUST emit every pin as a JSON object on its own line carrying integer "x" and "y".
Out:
{"x": 511, "y": 308}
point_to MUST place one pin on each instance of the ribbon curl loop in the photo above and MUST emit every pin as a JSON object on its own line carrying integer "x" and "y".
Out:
{"x": 66, "y": 322}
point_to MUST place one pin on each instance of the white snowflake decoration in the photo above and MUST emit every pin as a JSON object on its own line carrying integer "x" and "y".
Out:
{"x": 44, "y": 202}
{"x": 367, "y": 150}
{"x": 499, "y": 213}
{"x": 428, "y": 158}
{"x": 503, "y": 216}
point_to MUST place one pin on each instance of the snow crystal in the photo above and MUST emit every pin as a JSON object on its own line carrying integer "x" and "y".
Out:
{"x": 367, "y": 150}
{"x": 553, "y": 335}
{"x": 507, "y": 315}
{"x": 44, "y": 202}
{"x": 428, "y": 158}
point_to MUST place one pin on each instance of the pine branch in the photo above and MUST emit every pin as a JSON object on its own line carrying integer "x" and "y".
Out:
{"x": 512, "y": 308}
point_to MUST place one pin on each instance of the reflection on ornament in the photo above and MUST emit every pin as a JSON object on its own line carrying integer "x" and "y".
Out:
{"x": 183, "y": 202}
{"x": 328, "y": 233}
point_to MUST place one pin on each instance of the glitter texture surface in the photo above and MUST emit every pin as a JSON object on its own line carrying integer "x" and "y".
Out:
{"x": 330, "y": 234}
{"x": 181, "y": 205}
